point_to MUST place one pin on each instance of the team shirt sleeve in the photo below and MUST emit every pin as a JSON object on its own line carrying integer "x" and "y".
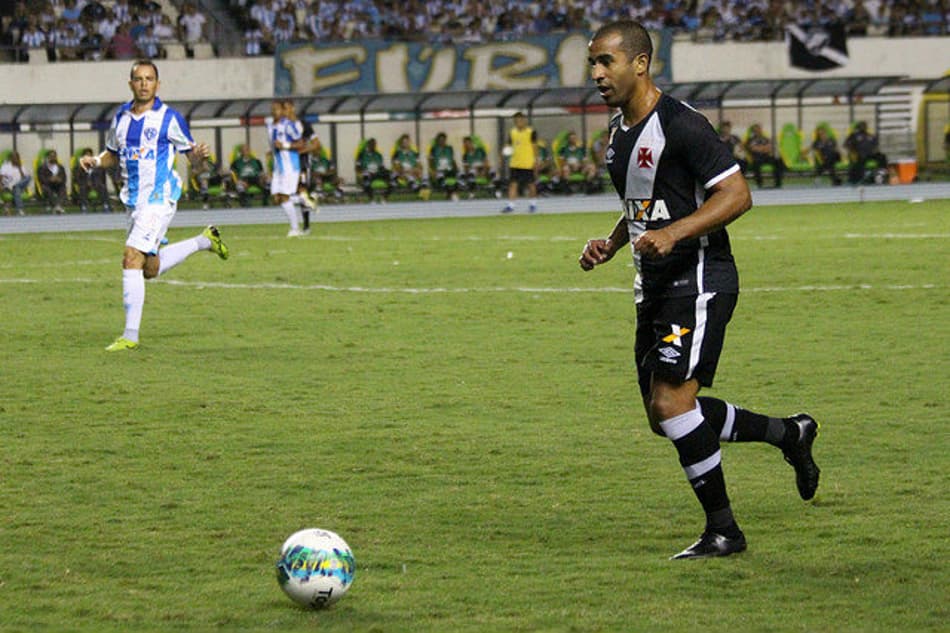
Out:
{"x": 178, "y": 133}
{"x": 112, "y": 141}
{"x": 707, "y": 157}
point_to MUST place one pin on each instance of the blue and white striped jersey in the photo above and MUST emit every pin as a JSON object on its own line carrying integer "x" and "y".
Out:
{"x": 285, "y": 132}
{"x": 145, "y": 145}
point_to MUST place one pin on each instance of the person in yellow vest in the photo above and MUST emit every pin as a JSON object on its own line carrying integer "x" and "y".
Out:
{"x": 522, "y": 164}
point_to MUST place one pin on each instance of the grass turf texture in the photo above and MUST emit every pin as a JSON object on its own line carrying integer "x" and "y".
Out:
{"x": 470, "y": 424}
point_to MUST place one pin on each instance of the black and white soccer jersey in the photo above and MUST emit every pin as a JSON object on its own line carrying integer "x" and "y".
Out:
{"x": 662, "y": 169}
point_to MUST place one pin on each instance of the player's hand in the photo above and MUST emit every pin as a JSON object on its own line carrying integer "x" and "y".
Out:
{"x": 201, "y": 150}
{"x": 654, "y": 244}
{"x": 88, "y": 163}
{"x": 596, "y": 252}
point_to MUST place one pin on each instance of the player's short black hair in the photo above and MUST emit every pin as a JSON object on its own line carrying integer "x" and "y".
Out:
{"x": 143, "y": 62}
{"x": 635, "y": 39}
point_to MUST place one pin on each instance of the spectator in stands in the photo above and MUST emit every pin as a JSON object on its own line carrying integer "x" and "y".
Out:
{"x": 826, "y": 155}
{"x": 93, "y": 11}
{"x": 759, "y": 148}
{"x": 165, "y": 30}
{"x": 572, "y": 157}
{"x": 66, "y": 39}
{"x": 52, "y": 178}
{"x": 108, "y": 26}
{"x": 33, "y": 36}
{"x": 406, "y": 164}
{"x": 370, "y": 169}
{"x": 247, "y": 172}
{"x": 254, "y": 39}
{"x": 15, "y": 179}
{"x": 86, "y": 181}
{"x": 148, "y": 44}
{"x": 443, "y": 170}
{"x": 122, "y": 45}
{"x": 122, "y": 11}
{"x": 265, "y": 14}
{"x": 191, "y": 27}
{"x": 475, "y": 165}
{"x": 858, "y": 19}
{"x": 70, "y": 11}
{"x": 92, "y": 44}
{"x": 284, "y": 28}
{"x": 862, "y": 146}
{"x": 734, "y": 143}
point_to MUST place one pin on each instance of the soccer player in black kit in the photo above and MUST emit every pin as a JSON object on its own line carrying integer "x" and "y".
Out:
{"x": 680, "y": 187}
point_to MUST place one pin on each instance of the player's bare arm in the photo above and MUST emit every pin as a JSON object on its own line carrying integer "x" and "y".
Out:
{"x": 105, "y": 159}
{"x": 730, "y": 199}
{"x": 600, "y": 251}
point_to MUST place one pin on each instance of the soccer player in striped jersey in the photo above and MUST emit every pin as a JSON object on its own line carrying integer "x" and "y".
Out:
{"x": 680, "y": 187}
{"x": 143, "y": 139}
{"x": 285, "y": 135}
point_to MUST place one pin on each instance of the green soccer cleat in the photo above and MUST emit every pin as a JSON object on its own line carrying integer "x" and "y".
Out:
{"x": 121, "y": 344}
{"x": 218, "y": 247}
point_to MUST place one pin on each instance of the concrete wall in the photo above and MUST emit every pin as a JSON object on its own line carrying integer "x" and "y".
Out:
{"x": 918, "y": 58}
{"x": 77, "y": 82}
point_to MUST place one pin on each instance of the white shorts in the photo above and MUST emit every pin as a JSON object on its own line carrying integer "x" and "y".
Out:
{"x": 285, "y": 182}
{"x": 148, "y": 224}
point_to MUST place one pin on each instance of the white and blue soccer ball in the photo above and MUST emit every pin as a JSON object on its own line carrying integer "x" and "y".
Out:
{"x": 316, "y": 567}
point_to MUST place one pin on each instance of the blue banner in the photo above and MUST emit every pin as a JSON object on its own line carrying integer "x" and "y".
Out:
{"x": 396, "y": 67}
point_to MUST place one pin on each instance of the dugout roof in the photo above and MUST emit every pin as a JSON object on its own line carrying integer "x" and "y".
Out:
{"x": 407, "y": 106}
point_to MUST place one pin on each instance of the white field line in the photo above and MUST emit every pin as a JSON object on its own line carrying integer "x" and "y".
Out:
{"x": 61, "y": 264}
{"x": 486, "y": 289}
{"x": 517, "y": 238}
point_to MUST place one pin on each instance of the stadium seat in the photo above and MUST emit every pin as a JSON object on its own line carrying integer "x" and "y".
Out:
{"x": 174, "y": 50}
{"x": 791, "y": 150}
{"x": 203, "y": 50}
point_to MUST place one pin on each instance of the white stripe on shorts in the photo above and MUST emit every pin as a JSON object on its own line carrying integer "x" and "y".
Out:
{"x": 699, "y": 332}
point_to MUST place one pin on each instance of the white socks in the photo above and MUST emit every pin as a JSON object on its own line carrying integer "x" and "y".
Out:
{"x": 291, "y": 210}
{"x": 133, "y": 280}
{"x": 133, "y": 298}
{"x": 176, "y": 253}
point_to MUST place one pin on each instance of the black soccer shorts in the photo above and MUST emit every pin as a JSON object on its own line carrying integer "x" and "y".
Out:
{"x": 681, "y": 338}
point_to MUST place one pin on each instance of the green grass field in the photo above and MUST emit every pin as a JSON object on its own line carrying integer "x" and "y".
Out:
{"x": 469, "y": 421}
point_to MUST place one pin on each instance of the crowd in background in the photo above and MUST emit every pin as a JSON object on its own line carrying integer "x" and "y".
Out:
{"x": 267, "y": 23}
{"x": 68, "y": 30}
{"x": 123, "y": 29}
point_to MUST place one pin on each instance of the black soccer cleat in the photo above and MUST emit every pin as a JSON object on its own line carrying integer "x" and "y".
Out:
{"x": 799, "y": 455}
{"x": 711, "y": 545}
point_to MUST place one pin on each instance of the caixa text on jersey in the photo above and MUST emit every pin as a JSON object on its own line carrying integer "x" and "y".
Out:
{"x": 648, "y": 210}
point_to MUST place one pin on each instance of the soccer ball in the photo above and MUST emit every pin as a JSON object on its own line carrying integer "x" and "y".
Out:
{"x": 316, "y": 567}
